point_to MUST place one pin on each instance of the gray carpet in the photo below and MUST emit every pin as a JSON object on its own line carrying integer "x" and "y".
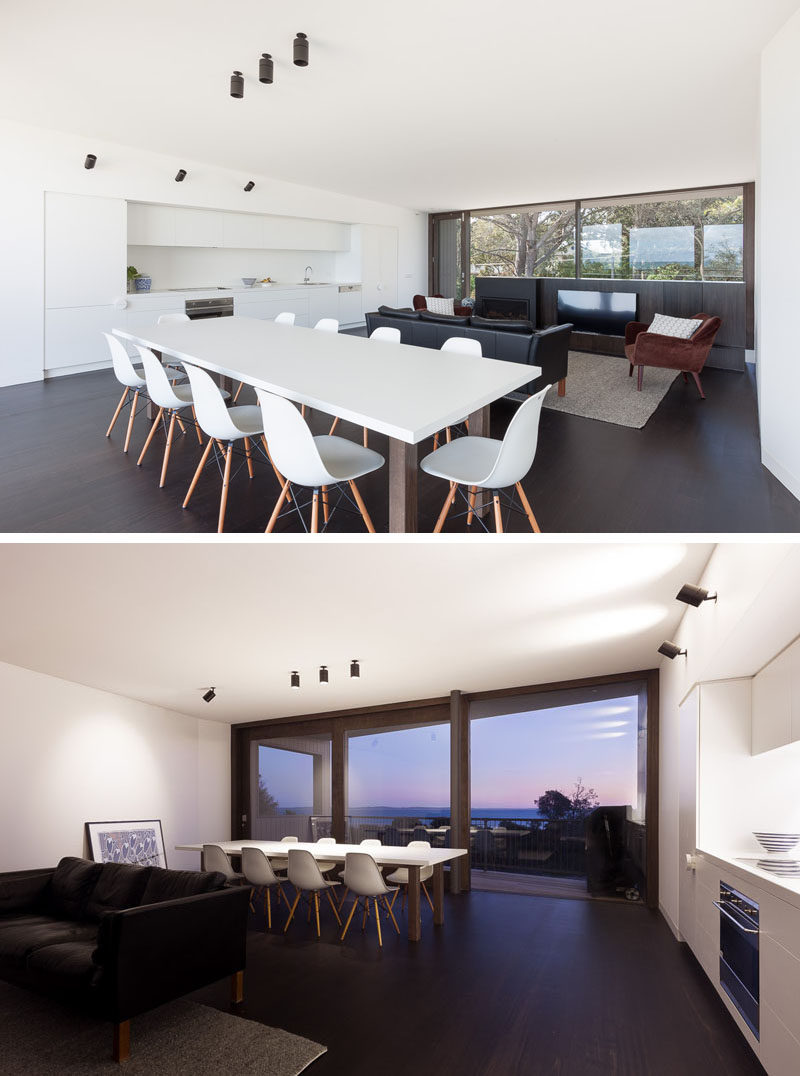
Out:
{"x": 598, "y": 387}
{"x": 39, "y": 1037}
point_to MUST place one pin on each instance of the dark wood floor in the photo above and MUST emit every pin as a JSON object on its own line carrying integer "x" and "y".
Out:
{"x": 509, "y": 986}
{"x": 695, "y": 467}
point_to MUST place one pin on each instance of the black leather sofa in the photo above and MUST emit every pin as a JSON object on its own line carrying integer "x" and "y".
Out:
{"x": 117, "y": 940}
{"x": 512, "y": 341}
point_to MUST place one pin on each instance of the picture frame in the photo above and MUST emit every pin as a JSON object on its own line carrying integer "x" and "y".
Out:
{"x": 138, "y": 843}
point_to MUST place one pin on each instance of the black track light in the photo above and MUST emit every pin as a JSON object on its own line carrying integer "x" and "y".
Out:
{"x": 210, "y": 695}
{"x": 692, "y": 595}
{"x": 301, "y": 51}
{"x": 295, "y": 680}
{"x": 91, "y": 160}
{"x": 670, "y": 650}
{"x": 265, "y": 73}
{"x": 323, "y": 674}
{"x": 181, "y": 175}
{"x": 355, "y": 670}
{"x": 237, "y": 84}
{"x": 249, "y": 186}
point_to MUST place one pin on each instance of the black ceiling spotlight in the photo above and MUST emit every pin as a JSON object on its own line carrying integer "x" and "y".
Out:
{"x": 249, "y": 186}
{"x": 355, "y": 670}
{"x": 670, "y": 650}
{"x": 265, "y": 68}
{"x": 237, "y": 84}
{"x": 295, "y": 680}
{"x": 181, "y": 175}
{"x": 301, "y": 51}
{"x": 323, "y": 674}
{"x": 210, "y": 695}
{"x": 91, "y": 160}
{"x": 692, "y": 595}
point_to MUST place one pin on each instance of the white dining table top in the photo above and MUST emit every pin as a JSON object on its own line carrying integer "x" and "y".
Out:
{"x": 401, "y": 390}
{"x": 384, "y": 854}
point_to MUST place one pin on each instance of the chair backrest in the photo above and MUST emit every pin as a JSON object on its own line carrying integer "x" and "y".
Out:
{"x": 158, "y": 387}
{"x": 391, "y": 837}
{"x": 419, "y": 834}
{"x": 123, "y": 367}
{"x": 216, "y": 859}
{"x": 326, "y": 840}
{"x": 328, "y": 325}
{"x": 387, "y": 333}
{"x": 209, "y": 406}
{"x": 463, "y": 344}
{"x": 518, "y": 449}
{"x": 420, "y": 844}
{"x": 370, "y": 841}
{"x": 291, "y": 443}
{"x": 256, "y": 868}
{"x": 165, "y": 319}
{"x": 289, "y": 840}
{"x": 303, "y": 870}
{"x": 286, "y": 317}
{"x": 362, "y": 875}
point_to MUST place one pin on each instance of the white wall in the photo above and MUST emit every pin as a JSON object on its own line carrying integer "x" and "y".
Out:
{"x": 779, "y": 241}
{"x": 197, "y": 267}
{"x": 70, "y": 754}
{"x": 36, "y": 160}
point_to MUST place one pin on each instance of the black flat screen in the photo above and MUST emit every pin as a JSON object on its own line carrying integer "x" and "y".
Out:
{"x": 605, "y": 312}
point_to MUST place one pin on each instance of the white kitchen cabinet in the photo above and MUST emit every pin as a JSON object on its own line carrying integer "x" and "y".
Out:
{"x": 292, "y": 233}
{"x": 242, "y": 231}
{"x": 350, "y": 308}
{"x": 775, "y": 689}
{"x": 688, "y": 714}
{"x": 73, "y": 336}
{"x": 246, "y": 306}
{"x": 146, "y": 319}
{"x": 379, "y": 266}
{"x": 323, "y": 303}
{"x": 84, "y": 250}
{"x": 151, "y": 225}
{"x": 198, "y": 228}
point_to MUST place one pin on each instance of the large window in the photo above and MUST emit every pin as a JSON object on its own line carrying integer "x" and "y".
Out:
{"x": 523, "y": 241}
{"x": 291, "y": 787}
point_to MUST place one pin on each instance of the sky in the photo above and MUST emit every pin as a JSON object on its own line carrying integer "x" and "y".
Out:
{"x": 515, "y": 758}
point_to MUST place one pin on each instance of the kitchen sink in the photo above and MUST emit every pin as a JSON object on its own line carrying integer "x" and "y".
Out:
{"x": 314, "y": 284}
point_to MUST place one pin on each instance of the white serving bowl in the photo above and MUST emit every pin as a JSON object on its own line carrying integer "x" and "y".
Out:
{"x": 777, "y": 842}
{"x": 249, "y": 281}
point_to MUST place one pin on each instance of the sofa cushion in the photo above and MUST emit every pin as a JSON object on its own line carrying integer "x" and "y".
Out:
{"x": 681, "y": 328}
{"x": 120, "y": 885}
{"x": 502, "y": 324}
{"x": 438, "y": 304}
{"x": 404, "y": 312}
{"x": 24, "y": 934}
{"x": 63, "y": 968}
{"x": 448, "y": 319}
{"x": 170, "y": 885}
{"x": 71, "y": 887}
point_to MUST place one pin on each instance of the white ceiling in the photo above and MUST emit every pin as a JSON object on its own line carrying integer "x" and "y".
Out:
{"x": 161, "y": 622}
{"x": 448, "y": 105}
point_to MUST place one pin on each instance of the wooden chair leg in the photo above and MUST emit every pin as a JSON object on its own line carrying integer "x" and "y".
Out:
{"x": 122, "y": 1041}
{"x": 364, "y": 916}
{"x": 130, "y": 420}
{"x": 325, "y": 509}
{"x": 498, "y": 516}
{"x": 167, "y": 449}
{"x": 180, "y": 424}
{"x": 344, "y": 898}
{"x": 435, "y": 441}
{"x": 473, "y": 492}
{"x": 316, "y": 909}
{"x": 349, "y": 920}
{"x": 699, "y": 386}
{"x": 639, "y": 378}
{"x": 269, "y": 908}
{"x": 223, "y": 501}
{"x": 278, "y": 474}
{"x": 315, "y": 512}
{"x": 197, "y": 427}
{"x": 427, "y": 894}
{"x": 562, "y": 387}
{"x": 200, "y": 467}
{"x": 241, "y": 386}
{"x": 378, "y": 923}
{"x": 120, "y": 405}
{"x": 366, "y": 437}
{"x": 276, "y": 511}
{"x": 334, "y": 424}
{"x": 443, "y": 514}
{"x": 391, "y": 913}
{"x": 249, "y": 456}
{"x": 237, "y": 987}
{"x": 334, "y": 909}
{"x": 362, "y": 507}
{"x": 150, "y": 436}
{"x": 528, "y": 511}
{"x": 292, "y": 910}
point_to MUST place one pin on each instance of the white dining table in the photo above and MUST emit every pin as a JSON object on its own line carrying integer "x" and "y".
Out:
{"x": 412, "y": 859}
{"x": 408, "y": 393}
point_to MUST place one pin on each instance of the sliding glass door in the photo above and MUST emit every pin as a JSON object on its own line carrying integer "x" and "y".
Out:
{"x": 290, "y": 785}
{"x": 449, "y": 255}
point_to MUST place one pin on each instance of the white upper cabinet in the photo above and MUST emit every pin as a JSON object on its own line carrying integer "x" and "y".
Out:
{"x": 198, "y": 228}
{"x": 291, "y": 233}
{"x": 84, "y": 250}
{"x": 776, "y": 702}
{"x": 242, "y": 231}
{"x": 151, "y": 225}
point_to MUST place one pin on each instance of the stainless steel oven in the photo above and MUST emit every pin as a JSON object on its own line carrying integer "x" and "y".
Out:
{"x": 220, "y": 306}
{"x": 738, "y": 952}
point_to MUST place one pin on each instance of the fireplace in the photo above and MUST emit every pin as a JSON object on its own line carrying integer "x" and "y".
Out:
{"x": 508, "y": 309}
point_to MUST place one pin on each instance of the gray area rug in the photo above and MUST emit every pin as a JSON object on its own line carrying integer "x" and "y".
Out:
{"x": 39, "y": 1036}
{"x": 598, "y": 387}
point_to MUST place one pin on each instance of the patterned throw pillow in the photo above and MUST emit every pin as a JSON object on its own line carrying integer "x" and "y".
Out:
{"x": 439, "y": 306}
{"x": 682, "y": 328}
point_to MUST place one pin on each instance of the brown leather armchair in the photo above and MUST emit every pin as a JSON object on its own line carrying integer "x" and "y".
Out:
{"x": 644, "y": 348}
{"x": 420, "y": 304}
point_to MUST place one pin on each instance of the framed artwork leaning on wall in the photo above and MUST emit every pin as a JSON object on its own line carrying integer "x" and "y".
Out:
{"x": 140, "y": 842}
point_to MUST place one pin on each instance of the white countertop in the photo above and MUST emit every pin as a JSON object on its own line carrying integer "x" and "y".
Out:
{"x": 238, "y": 289}
{"x": 787, "y": 889}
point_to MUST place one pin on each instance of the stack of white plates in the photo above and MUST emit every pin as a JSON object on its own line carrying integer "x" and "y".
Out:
{"x": 777, "y": 842}
{"x": 776, "y": 861}
{"x": 787, "y": 868}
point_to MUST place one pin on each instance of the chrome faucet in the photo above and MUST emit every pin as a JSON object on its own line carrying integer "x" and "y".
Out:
{"x": 307, "y": 278}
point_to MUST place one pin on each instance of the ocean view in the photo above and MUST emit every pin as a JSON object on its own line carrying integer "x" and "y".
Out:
{"x": 382, "y": 811}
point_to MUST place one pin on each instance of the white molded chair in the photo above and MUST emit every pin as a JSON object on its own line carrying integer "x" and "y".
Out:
{"x": 324, "y": 864}
{"x": 166, "y": 319}
{"x": 128, "y": 376}
{"x": 286, "y": 317}
{"x": 280, "y": 864}
{"x": 215, "y": 858}
{"x": 314, "y": 462}
{"x": 327, "y": 325}
{"x": 388, "y": 335}
{"x": 485, "y": 463}
{"x": 462, "y": 345}
{"x": 365, "y": 881}
{"x": 305, "y": 876}
{"x": 400, "y": 876}
{"x": 222, "y": 424}
{"x": 368, "y": 842}
{"x": 258, "y": 871}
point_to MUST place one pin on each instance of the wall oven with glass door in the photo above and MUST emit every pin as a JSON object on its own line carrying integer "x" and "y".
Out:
{"x": 218, "y": 306}
{"x": 738, "y": 952}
